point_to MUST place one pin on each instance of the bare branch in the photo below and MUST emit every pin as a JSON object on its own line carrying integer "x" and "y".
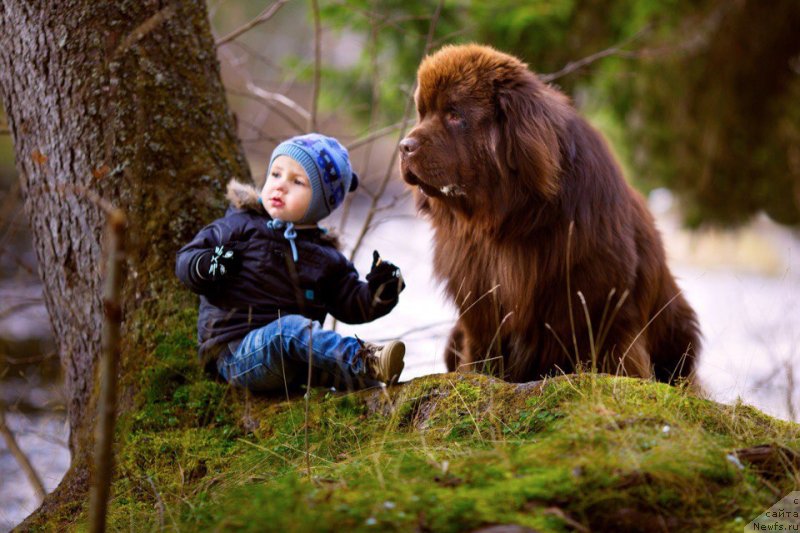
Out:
{"x": 273, "y": 100}
{"x": 14, "y": 308}
{"x": 14, "y": 360}
{"x": 308, "y": 394}
{"x": 112, "y": 304}
{"x": 312, "y": 120}
{"x": 260, "y": 19}
{"x": 278, "y": 98}
{"x": 417, "y": 329}
{"x": 103, "y": 204}
{"x": 696, "y": 38}
{"x": 404, "y": 123}
{"x": 373, "y": 111}
{"x": 466, "y": 30}
{"x": 576, "y": 65}
{"x": 143, "y": 29}
{"x": 260, "y": 57}
{"x": 272, "y": 104}
{"x": 20, "y": 456}
{"x": 377, "y": 134}
{"x": 398, "y": 23}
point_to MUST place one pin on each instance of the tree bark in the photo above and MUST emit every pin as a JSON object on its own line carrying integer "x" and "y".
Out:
{"x": 123, "y": 99}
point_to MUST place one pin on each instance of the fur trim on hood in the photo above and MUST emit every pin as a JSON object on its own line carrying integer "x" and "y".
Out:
{"x": 244, "y": 196}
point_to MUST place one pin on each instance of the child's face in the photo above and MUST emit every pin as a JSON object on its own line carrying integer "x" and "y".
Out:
{"x": 287, "y": 193}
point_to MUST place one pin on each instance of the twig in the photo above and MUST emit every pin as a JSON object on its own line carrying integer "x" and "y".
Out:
{"x": 572, "y": 66}
{"x": 18, "y": 306}
{"x": 283, "y": 365}
{"x": 270, "y": 98}
{"x": 406, "y": 116}
{"x": 312, "y": 120}
{"x": 464, "y": 30}
{"x": 143, "y": 29}
{"x": 159, "y": 503}
{"x": 416, "y": 330}
{"x": 261, "y": 58}
{"x": 14, "y": 360}
{"x": 369, "y": 138}
{"x": 45, "y": 437}
{"x": 17, "y": 261}
{"x": 399, "y": 23}
{"x": 574, "y": 524}
{"x": 308, "y": 395}
{"x": 18, "y": 454}
{"x": 260, "y": 19}
{"x": 5, "y": 131}
{"x": 112, "y": 307}
{"x": 373, "y": 111}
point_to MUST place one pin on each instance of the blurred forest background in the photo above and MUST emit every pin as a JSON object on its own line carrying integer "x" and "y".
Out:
{"x": 700, "y": 100}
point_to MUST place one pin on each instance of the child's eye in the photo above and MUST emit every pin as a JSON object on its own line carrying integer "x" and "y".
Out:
{"x": 275, "y": 174}
{"x": 300, "y": 182}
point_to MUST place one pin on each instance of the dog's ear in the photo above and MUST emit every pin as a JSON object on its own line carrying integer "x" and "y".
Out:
{"x": 530, "y": 116}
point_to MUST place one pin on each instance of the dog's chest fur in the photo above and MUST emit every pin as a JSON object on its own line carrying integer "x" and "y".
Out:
{"x": 482, "y": 275}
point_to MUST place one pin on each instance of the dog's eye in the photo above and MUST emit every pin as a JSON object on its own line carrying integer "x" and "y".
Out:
{"x": 454, "y": 118}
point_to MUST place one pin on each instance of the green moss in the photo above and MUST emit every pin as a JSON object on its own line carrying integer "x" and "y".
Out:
{"x": 444, "y": 453}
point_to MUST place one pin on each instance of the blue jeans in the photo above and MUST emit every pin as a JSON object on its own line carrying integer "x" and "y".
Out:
{"x": 276, "y": 355}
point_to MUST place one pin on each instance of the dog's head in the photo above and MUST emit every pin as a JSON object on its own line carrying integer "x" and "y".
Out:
{"x": 487, "y": 130}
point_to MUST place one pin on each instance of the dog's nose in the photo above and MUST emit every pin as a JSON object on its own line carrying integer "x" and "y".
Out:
{"x": 409, "y": 145}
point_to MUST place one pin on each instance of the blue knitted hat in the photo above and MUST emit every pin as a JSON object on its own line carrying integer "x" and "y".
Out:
{"x": 327, "y": 164}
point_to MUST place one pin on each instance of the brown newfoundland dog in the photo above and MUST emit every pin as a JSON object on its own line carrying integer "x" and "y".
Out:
{"x": 550, "y": 256}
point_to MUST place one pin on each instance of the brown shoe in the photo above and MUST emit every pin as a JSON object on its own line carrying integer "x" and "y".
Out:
{"x": 384, "y": 363}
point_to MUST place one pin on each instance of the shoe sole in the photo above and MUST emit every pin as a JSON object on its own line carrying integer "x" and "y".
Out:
{"x": 394, "y": 364}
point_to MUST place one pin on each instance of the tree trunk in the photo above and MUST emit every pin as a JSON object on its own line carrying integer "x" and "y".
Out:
{"x": 122, "y": 100}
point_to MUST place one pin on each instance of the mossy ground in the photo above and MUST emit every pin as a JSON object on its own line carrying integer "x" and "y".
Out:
{"x": 447, "y": 452}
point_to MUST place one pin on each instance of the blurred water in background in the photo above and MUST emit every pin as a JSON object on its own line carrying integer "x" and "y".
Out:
{"x": 31, "y": 391}
{"x": 744, "y": 286}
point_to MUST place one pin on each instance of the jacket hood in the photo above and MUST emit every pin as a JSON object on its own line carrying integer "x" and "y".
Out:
{"x": 244, "y": 196}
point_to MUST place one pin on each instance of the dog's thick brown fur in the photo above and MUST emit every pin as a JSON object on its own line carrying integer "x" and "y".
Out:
{"x": 528, "y": 207}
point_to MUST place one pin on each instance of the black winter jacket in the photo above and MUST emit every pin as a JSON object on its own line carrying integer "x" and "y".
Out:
{"x": 269, "y": 283}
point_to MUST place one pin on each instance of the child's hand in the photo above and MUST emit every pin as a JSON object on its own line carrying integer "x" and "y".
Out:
{"x": 218, "y": 263}
{"x": 384, "y": 279}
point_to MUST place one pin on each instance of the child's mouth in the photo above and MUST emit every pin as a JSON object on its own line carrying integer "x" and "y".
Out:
{"x": 276, "y": 202}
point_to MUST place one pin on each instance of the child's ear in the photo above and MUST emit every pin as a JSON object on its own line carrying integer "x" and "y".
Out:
{"x": 353, "y": 183}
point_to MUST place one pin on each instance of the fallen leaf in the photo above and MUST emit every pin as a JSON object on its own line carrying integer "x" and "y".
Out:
{"x": 101, "y": 171}
{"x": 38, "y": 157}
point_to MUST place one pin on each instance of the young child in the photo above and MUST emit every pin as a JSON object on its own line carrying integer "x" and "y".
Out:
{"x": 267, "y": 275}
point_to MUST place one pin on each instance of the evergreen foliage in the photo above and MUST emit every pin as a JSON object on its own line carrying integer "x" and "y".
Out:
{"x": 701, "y": 97}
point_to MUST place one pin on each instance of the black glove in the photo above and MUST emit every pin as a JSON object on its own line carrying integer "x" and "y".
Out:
{"x": 384, "y": 279}
{"x": 217, "y": 264}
